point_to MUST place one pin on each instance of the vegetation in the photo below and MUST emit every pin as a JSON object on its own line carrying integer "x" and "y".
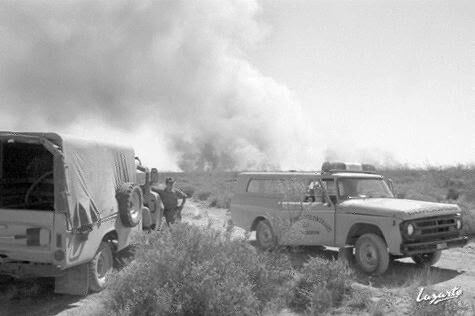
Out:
{"x": 186, "y": 270}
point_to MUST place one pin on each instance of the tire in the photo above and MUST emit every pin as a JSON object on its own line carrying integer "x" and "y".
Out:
{"x": 130, "y": 200}
{"x": 265, "y": 235}
{"x": 100, "y": 267}
{"x": 427, "y": 259}
{"x": 372, "y": 254}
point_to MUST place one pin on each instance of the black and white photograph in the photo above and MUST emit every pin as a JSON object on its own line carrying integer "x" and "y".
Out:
{"x": 237, "y": 157}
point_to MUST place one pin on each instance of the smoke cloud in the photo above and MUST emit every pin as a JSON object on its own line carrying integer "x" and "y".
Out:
{"x": 169, "y": 77}
{"x": 178, "y": 68}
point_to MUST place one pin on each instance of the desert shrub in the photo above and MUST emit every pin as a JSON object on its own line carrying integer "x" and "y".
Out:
{"x": 378, "y": 309}
{"x": 213, "y": 202}
{"x": 203, "y": 196}
{"x": 360, "y": 300}
{"x": 190, "y": 271}
{"x": 220, "y": 202}
{"x": 321, "y": 284}
{"x": 469, "y": 197}
{"x": 452, "y": 194}
{"x": 188, "y": 190}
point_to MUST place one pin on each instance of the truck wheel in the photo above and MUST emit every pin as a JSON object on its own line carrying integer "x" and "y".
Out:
{"x": 372, "y": 254}
{"x": 265, "y": 236}
{"x": 427, "y": 259}
{"x": 129, "y": 197}
{"x": 100, "y": 268}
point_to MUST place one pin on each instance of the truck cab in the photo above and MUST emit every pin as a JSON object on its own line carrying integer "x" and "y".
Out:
{"x": 348, "y": 206}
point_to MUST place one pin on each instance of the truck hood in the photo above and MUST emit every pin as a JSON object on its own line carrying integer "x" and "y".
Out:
{"x": 402, "y": 208}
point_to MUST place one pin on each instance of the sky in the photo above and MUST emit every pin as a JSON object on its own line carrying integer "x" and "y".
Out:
{"x": 395, "y": 77}
{"x": 246, "y": 84}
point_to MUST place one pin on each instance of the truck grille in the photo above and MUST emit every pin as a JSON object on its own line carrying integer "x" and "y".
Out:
{"x": 435, "y": 228}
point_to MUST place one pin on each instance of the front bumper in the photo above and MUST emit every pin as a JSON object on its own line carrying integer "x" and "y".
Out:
{"x": 410, "y": 249}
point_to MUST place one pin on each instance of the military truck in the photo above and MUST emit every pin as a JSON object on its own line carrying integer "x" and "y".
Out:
{"x": 67, "y": 206}
{"x": 348, "y": 206}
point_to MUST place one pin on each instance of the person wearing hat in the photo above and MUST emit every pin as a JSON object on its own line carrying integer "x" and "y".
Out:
{"x": 170, "y": 196}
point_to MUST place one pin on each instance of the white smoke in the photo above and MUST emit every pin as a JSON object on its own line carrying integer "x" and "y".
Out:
{"x": 375, "y": 156}
{"x": 169, "y": 75}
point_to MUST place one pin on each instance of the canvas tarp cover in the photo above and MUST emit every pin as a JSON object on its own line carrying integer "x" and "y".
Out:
{"x": 94, "y": 171}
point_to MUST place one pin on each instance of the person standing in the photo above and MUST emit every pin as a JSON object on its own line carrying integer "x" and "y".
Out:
{"x": 170, "y": 196}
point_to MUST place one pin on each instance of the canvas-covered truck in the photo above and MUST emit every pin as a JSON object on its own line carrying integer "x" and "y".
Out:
{"x": 348, "y": 206}
{"x": 67, "y": 205}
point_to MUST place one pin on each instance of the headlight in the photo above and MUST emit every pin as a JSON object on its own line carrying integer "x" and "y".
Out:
{"x": 410, "y": 229}
{"x": 459, "y": 223}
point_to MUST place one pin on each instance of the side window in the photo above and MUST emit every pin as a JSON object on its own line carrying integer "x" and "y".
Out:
{"x": 266, "y": 186}
{"x": 295, "y": 190}
{"x": 275, "y": 187}
{"x": 254, "y": 186}
{"x": 314, "y": 192}
{"x": 329, "y": 185}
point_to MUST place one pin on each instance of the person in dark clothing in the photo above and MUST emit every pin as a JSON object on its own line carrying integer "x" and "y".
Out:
{"x": 170, "y": 196}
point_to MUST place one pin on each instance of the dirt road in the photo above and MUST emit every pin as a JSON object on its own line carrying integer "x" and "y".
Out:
{"x": 456, "y": 268}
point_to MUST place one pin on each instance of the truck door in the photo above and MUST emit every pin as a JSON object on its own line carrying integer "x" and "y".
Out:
{"x": 311, "y": 217}
{"x": 318, "y": 216}
{"x": 293, "y": 193}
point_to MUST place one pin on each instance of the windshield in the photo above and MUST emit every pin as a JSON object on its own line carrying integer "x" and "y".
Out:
{"x": 361, "y": 188}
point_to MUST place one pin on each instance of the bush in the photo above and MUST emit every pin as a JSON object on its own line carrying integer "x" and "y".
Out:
{"x": 188, "y": 271}
{"x": 188, "y": 190}
{"x": 203, "y": 196}
{"x": 321, "y": 284}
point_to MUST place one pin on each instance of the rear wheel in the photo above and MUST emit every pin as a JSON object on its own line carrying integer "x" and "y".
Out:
{"x": 100, "y": 267}
{"x": 427, "y": 259}
{"x": 372, "y": 254}
{"x": 265, "y": 236}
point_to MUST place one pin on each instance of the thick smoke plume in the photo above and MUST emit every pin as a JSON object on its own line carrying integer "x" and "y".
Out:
{"x": 178, "y": 68}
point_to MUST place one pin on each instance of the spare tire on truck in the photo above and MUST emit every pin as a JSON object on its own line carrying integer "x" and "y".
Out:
{"x": 130, "y": 200}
